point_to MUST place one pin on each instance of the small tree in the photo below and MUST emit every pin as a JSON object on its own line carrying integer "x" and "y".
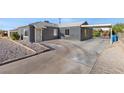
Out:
{"x": 15, "y": 36}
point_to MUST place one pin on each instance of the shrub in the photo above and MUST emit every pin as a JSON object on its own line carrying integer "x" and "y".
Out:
{"x": 15, "y": 36}
{"x": 96, "y": 33}
{"x": 118, "y": 27}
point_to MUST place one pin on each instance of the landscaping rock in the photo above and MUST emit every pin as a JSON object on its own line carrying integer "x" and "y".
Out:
{"x": 35, "y": 46}
{"x": 10, "y": 50}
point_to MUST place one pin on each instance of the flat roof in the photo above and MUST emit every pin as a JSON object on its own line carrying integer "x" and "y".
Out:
{"x": 97, "y": 25}
{"x": 71, "y": 24}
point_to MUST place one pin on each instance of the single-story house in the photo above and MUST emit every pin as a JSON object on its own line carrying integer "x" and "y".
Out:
{"x": 42, "y": 31}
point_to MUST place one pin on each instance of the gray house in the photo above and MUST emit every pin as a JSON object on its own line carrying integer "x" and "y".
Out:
{"x": 42, "y": 31}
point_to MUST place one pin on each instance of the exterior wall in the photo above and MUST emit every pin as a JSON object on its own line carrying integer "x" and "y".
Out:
{"x": 121, "y": 35}
{"x": 38, "y": 35}
{"x": 74, "y": 33}
{"x": 48, "y": 33}
{"x": 31, "y": 33}
{"x": 21, "y": 32}
{"x": 86, "y": 33}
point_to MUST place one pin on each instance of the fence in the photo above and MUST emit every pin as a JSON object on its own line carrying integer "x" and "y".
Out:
{"x": 121, "y": 35}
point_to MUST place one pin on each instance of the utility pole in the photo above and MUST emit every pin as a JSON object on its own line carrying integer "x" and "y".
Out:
{"x": 59, "y": 20}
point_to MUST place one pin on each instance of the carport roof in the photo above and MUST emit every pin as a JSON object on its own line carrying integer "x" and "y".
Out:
{"x": 97, "y": 25}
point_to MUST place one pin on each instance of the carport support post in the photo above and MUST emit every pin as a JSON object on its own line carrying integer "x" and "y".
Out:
{"x": 111, "y": 35}
{"x": 9, "y": 33}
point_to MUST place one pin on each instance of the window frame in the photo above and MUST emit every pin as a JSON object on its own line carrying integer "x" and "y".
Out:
{"x": 67, "y": 32}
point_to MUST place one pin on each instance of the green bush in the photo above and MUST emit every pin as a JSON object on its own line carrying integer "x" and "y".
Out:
{"x": 15, "y": 36}
{"x": 118, "y": 27}
{"x": 96, "y": 33}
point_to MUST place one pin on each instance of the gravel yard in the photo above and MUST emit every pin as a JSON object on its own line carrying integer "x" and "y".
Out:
{"x": 10, "y": 50}
{"x": 35, "y": 46}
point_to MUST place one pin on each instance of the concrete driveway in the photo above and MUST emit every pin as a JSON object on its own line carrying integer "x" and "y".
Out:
{"x": 67, "y": 57}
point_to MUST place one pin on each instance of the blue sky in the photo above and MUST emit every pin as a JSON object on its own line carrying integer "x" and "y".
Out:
{"x": 11, "y": 23}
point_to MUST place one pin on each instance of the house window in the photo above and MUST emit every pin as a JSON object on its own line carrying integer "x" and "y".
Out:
{"x": 66, "y": 31}
{"x": 55, "y": 33}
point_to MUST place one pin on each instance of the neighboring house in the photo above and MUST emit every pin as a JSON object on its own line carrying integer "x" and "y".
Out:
{"x": 3, "y": 33}
{"x": 42, "y": 31}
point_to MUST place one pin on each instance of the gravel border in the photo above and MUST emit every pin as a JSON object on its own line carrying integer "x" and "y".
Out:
{"x": 27, "y": 56}
{"x": 46, "y": 48}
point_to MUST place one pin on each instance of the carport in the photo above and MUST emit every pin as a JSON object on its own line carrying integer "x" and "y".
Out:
{"x": 100, "y": 26}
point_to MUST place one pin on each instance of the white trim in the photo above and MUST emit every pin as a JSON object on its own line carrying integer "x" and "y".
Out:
{"x": 41, "y": 34}
{"x": 9, "y": 33}
{"x": 35, "y": 35}
{"x": 97, "y": 25}
{"x": 111, "y": 36}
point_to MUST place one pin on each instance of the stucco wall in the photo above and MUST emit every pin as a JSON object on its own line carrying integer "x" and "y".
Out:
{"x": 48, "y": 34}
{"x": 21, "y": 32}
{"x": 86, "y": 33}
{"x": 74, "y": 33}
{"x": 31, "y": 33}
{"x": 38, "y": 35}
